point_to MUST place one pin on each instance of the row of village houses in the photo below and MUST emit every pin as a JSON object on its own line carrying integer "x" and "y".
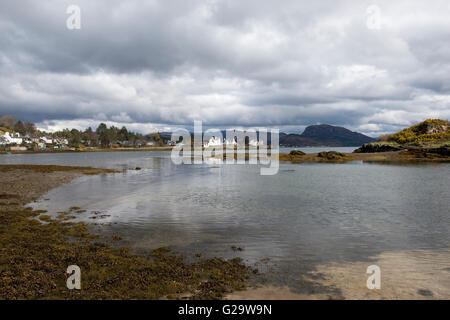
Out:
{"x": 14, "y": 141}
{"x": 17, "y": 142}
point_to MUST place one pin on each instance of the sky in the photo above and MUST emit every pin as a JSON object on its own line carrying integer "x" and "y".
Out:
{"x": 372, "y": 66}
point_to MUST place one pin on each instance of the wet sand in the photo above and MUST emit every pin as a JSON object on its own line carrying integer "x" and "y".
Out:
{"x": 28, "y": 185}
{"x": 416, "y": 275}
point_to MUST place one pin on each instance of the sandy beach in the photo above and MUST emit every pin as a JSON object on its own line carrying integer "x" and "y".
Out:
{"x": 405, "y": 275}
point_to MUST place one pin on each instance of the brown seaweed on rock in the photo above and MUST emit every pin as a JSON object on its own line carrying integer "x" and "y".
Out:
{"x": 332, "y": 155}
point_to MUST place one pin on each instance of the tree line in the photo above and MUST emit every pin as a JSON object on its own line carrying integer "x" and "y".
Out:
{"x": 11, "y": 123}
{"x": 103, "y": 136}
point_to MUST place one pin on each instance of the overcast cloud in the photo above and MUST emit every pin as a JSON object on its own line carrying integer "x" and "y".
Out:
{"x": 156, "y": 65}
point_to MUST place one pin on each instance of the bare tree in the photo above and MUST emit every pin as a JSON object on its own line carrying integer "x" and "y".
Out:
{"x": 8, "y": 121}
{"x": 30, "y": 128}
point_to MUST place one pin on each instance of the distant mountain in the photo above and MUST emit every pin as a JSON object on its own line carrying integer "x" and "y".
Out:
{"x": 325, "y": 135}
{"x": 315, "y": 136}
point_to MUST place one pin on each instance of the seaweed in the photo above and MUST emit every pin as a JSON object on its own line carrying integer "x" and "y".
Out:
{"x": 34, "y": 257}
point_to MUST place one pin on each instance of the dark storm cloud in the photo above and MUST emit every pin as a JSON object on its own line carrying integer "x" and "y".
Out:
{"x": 250, "y": 63}
{"x": 288, "y": 99}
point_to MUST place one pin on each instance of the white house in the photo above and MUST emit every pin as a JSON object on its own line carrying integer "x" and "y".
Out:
{"x": 47, "y": 140}
{"x": 256, "y": 143}
{"x": 60, "y": 141}
{"x": 231, "y": 142}
{"x": 12, "y": 138}
{"x": 27, "y": 140}
{"x": 213, "y": 142}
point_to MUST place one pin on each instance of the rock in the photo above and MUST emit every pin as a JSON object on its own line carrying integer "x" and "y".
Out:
{"x": 443, "y": 151}
{"x": 425, "y": 292}
{"x": 296, "y": 153}
{"x": 331, "y": 155}
{"x": 371, "y": 148}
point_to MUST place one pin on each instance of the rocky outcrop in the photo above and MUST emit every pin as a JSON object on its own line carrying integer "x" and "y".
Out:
{"x": 376, "y": 147}
{"x": 332, "y": 155}
{"x": 443, "y": 151}
{"x": 296, "y": 153}
{"x": 430, "y": 152}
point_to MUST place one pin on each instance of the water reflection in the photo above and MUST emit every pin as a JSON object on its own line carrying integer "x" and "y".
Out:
{"x": 306, "y": 215}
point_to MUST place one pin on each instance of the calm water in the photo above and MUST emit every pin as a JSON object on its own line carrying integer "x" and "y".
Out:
{"x": 319, "y": 149}
{"x": 307, "y": 214}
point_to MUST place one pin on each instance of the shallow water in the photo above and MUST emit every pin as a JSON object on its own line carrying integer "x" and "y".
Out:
{"x": 306, "y": 215}
{"x": 319, "y": 149}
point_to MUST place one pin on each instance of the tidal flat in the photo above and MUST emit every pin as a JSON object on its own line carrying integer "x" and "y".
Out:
{"x": 36, "y": 249}
{"x": 306, "y": 228}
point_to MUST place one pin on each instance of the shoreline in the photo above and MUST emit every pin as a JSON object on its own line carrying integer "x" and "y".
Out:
{"x": 405, "y": 275}
{"x": 86, "y": 150}
{"x": 33, "y": 267}
{"x": 389, "y": 156}
{"x": 36, "y": 249}
{"x": 402, "y": 156}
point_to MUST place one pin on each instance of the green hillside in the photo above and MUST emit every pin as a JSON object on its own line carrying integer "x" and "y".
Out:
{"x": 430, "y": 131}
{"x": 426, "y": 135}
{"x": 3, "y": 130}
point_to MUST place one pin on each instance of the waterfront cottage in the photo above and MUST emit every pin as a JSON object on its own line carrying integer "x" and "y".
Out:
{"x": 47, "y": 140}
{"x": 255, "y": 143}
{"x": 13, "y": 138}
{"x": 61, "y": 141}
{"x": 34, "y": 139}
{"x": 213, "y": 142}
